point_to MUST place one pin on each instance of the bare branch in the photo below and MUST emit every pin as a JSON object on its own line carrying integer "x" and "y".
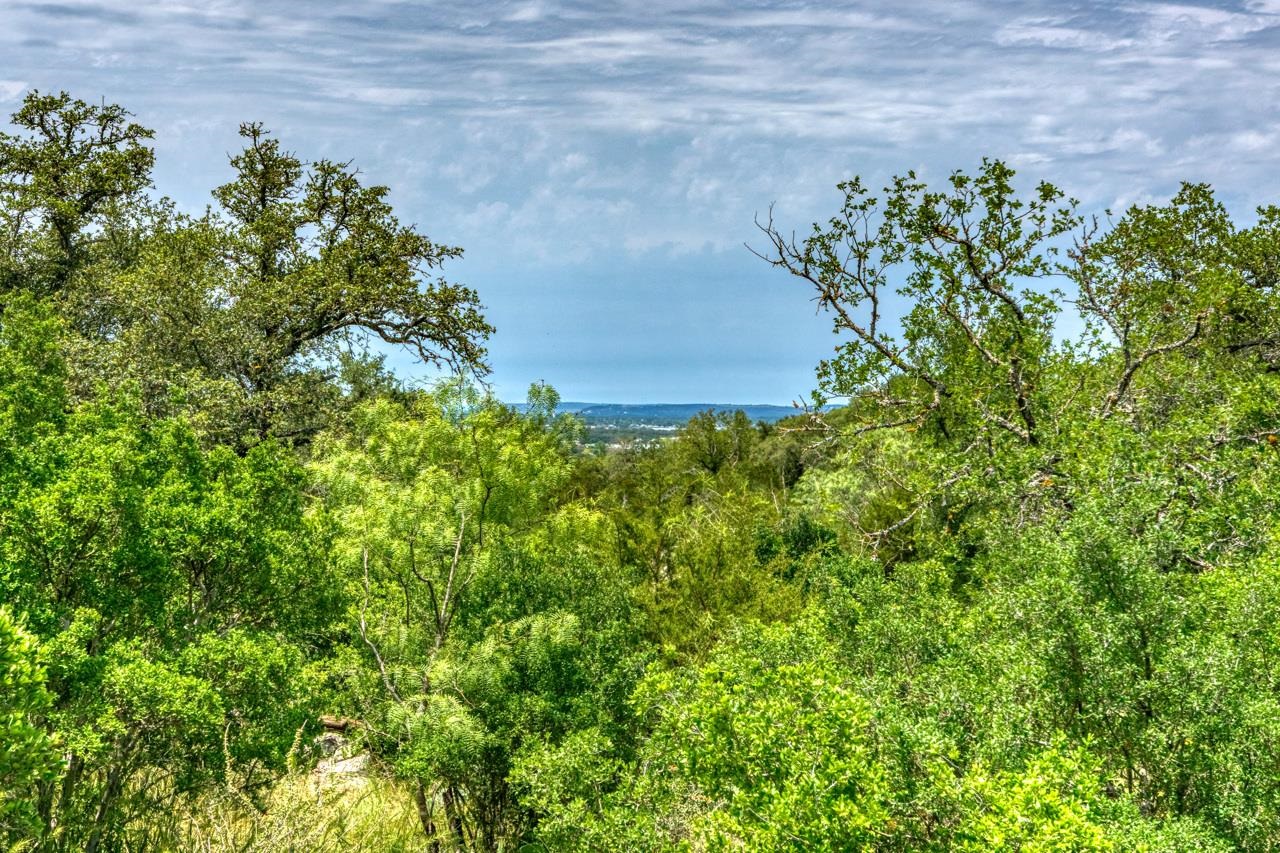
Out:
{"x": 1126, "y": 378}
{"x": 364, "y": 635}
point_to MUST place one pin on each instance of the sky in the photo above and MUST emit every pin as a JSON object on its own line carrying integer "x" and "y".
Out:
{"x": 602, "y": 164}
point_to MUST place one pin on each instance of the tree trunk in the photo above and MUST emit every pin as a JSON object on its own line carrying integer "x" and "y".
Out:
{"x": 115, "y": 782}
{"x": 425, "y": 815}
{"x": 450, "y": 799}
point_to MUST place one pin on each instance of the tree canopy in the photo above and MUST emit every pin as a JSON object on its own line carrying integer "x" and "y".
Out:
{"x": 239, "y": 318}
{"x": 1018, "y": 591}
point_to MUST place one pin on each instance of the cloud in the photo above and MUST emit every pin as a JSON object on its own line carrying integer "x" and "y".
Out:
{"x": 526, "y": 12}
{"x": 1173, "y": 21}
{"x": 1055, "y": 33}
{"x": 538, "y": 131}
{"x": 11, "y": 89}
{"x": 385, "y": 96}
{"x": 822, "y": 86}
{"x": 94, "y": 12}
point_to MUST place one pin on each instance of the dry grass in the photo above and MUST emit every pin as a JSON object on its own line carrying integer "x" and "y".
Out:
{"x": 306, "y": 811}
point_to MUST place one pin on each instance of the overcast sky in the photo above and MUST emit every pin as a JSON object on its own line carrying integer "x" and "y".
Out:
{"x": 601, "y": 164}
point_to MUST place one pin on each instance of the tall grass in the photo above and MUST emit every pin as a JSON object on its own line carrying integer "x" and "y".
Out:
{"x": 306, "y": 811}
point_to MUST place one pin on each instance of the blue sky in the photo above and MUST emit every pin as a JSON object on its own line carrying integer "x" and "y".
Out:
{"x": 602, "y": 163}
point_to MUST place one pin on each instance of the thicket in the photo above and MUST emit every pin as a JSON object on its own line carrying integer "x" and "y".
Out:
{"x": 1020, "y": 592}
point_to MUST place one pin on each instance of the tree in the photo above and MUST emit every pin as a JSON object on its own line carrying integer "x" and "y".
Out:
{"x": 242, "y": 318}
{"x": 249, "y": 315}
{"x": 763, "y": 747}
{"x": 333, "y": 256}
{"x": 1058, "y": 537}
{"x": 967, "y": 354}
{"x": 60, "y": 183}
{"x": 171, "y": 593}
{"x": 484, "y": 616}
{"x": 713, "y": 440}
{"x": 28, "y": 754}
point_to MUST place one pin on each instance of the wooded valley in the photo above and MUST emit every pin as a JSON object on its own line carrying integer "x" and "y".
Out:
{"x": 1013, "y": 583}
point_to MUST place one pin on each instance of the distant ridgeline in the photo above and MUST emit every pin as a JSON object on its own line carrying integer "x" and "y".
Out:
{"x": 611, "y": 422}
{"x": 678, "y": 413}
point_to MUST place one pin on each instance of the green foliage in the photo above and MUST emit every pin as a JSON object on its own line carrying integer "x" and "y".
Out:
{"x": 688, "y": 521}
{"x": 762, "y": 748}
{"x": 1043, "y": 807}
{"x": 471, "y": 592}
{"x": 1019, "y": 594}
{"x": 773, "y": 739}
{"x": 27, "y": 755}
{"x": 148, "y": 566}
{"x": 60, "y": 182}
{"x": 32, "y": 387}
{"x": 242, "y": 318}
{"x": 965, "y": 357}
{"x": 565, "y": 783}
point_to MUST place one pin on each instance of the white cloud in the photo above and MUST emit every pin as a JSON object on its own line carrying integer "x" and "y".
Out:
{"x": 1254, "y": 140}
{"x": 527, "y": 12}
{"x": 386, "y": 96}
{"x": 11, "y": 89}
{"x": 1053, "y": 33}
{"x": 532, "y": 113}
{"x": 1169, "y": 21}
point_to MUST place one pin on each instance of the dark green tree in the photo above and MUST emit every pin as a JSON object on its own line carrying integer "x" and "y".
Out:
{"x": 63, "y": 177}
{"x": 251, "y": 315}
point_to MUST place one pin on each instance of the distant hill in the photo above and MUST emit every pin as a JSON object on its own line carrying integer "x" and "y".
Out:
{"x": 667, "y": 412}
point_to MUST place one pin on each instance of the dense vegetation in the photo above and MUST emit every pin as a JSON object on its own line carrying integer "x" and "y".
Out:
{"x": 1022, "y": 592}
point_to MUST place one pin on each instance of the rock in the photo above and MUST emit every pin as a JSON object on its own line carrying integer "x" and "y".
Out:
{"x": 342, "y": 761}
